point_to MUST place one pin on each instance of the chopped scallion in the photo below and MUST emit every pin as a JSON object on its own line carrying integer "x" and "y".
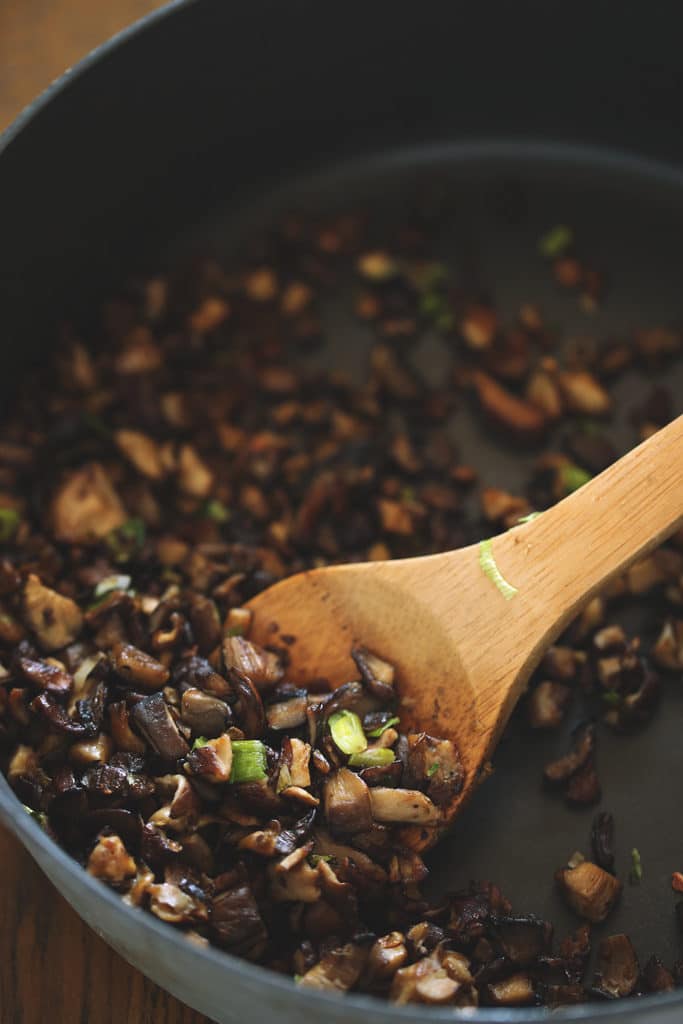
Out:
{"x": 378, "y": 757}
{"x": 612, "y": 698}
{"x": 528, "y": 518}
{"x": 201, "y": 741}
{"x": 574, "y": 477}
{"x": 315, "y": 858}
{"x": 636, "y": 875}
{"x": 127, "y": 541}
{"x": 487, "y": 564}
{"x": 556, "y": 241}
{"x": 433, "y": 769}
{"x": 249, "y": 763}
{"x": 390, "y": 722}
{"x": 217, "y": 511}
{"x": 347, "y": 732}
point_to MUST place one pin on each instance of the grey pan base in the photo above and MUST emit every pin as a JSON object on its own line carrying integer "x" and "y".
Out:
{"x": 111, "y": 157}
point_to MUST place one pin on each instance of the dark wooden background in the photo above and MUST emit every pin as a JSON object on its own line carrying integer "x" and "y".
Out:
{"x": 52, "y": 967}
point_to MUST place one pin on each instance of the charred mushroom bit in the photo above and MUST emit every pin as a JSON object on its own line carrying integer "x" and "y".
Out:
{"x": 155, "y": 480}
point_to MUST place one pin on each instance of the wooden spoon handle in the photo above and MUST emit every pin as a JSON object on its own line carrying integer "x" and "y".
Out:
{"x": 559, "y": 560}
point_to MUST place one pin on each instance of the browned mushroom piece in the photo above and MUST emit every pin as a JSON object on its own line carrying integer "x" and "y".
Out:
{"x": 54, "y": 619}
{"x": 506, "y": 411}
{"x": 435, "y": 766}
{"x": 289, "y": 713}
{"x": 656, "y": 977}
{"x": 86, "y": 507}
{"x": 516, "y": 990}
{"x": 110, "y": 861}
{"x": 235, "y": 920}
{"x": 262, "y": 667}
{"x": 346, "y": 800}
{"x": 138, "y": 668}
{"x": 170, "y": 903}
{"x": 583, "y": 393}
{"x": 407, "y": 806}
{"x": 154, "y": 720}
{"x": 250, "y": 711}
{"x": 142, "y": 451}
{"x": 122, "y": 734}
{"x": 338, "y": 970}
{"x": 387, "y": 954}
{"x": 194, "y": 476}
{"x": 522, "y": 939}
{"x": 47, "y": 675}
{"x": 547, "y": 704}
{"x": 589, "y": 890}
{"x": 204, "y": 714}
{"x": 618, "y": 970}
{"x": 668, "y": 650}
{"x": 561, "y": 770}
{"x": 212, "y": 761}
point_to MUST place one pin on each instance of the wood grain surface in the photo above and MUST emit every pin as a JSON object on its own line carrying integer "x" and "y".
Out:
{"x": 52, "y": 967}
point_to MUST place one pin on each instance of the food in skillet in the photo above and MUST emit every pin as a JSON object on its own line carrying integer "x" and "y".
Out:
{"x": 185, "y": 454}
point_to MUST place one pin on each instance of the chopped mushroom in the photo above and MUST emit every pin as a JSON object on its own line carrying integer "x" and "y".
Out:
{"x": 212, "y": 761}
{"x": 668, "y": 650}
{"x": 204, "y": 714}
{"x": 262, "y": 667}
{"x": 589, "y": 890}
{"x": 618, "y": 970}
{"x": 402, "y": 805}
{"x": 547, "y": 704}
{"x": 110, "y": 861}
{"x": 86, "y": 507}
{"x": 347, "y": 802}
{"x": 338, "y": 970}
{"x": 54, "y": 619}
{"x": 138, "y": 668}
{"x": 142, "y": 452}
{"x": 154, "y": 720}
{"x": 195, "y": 477}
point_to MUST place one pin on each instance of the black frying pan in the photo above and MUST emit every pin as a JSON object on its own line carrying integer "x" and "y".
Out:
{"x": 210, "y": 118}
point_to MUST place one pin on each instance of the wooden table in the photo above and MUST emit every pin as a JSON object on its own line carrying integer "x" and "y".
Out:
{"x": 52, "y": 967}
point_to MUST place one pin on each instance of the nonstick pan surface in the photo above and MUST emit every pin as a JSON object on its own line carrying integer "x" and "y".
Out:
{"x": 490, "y": 203}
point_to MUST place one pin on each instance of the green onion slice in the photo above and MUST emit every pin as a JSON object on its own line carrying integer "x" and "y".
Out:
{"x": 249, "y": 763}
{"x": 574, "y": 477}
{"x": 375, "y": 758}
{"x": 390, "y": 722}
{"x": 487, "y": 564}
{"x": 347, "y": 732}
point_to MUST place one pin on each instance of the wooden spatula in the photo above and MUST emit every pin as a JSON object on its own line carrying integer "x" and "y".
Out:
{"x": 465, "y": 629}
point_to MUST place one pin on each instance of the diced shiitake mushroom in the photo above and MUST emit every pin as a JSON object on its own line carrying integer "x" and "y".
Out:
{"x": 346, "y": 801}
{"x": 589, "y": 890}
{"x": 86, "y": 507}
{"x": 110, "y": 861}
{"x": 54, "y": 619}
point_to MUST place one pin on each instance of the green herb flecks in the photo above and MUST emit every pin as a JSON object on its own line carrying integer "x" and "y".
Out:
{"x": 556, "y": 241}
{"x": 201, "y": 741}
{"x": 433, "y": 769}
{"x": 127, "y": 541}
{"x": 390, "y": 722}
{"x": 487, "y": 564}
{"x": 347, "y": 732}
{"x": 528, "y": 518}
{"x": 612, "y": 698}
{"x": 249, "y": 762}
{"x": 315, "y": 858}
{"x": 636, "y": 875}
{"x": 9, "y": 523}
{"x": 573, "y": 477}
{"x": 378, "y": 757}
{"x": 216, "y": 510}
